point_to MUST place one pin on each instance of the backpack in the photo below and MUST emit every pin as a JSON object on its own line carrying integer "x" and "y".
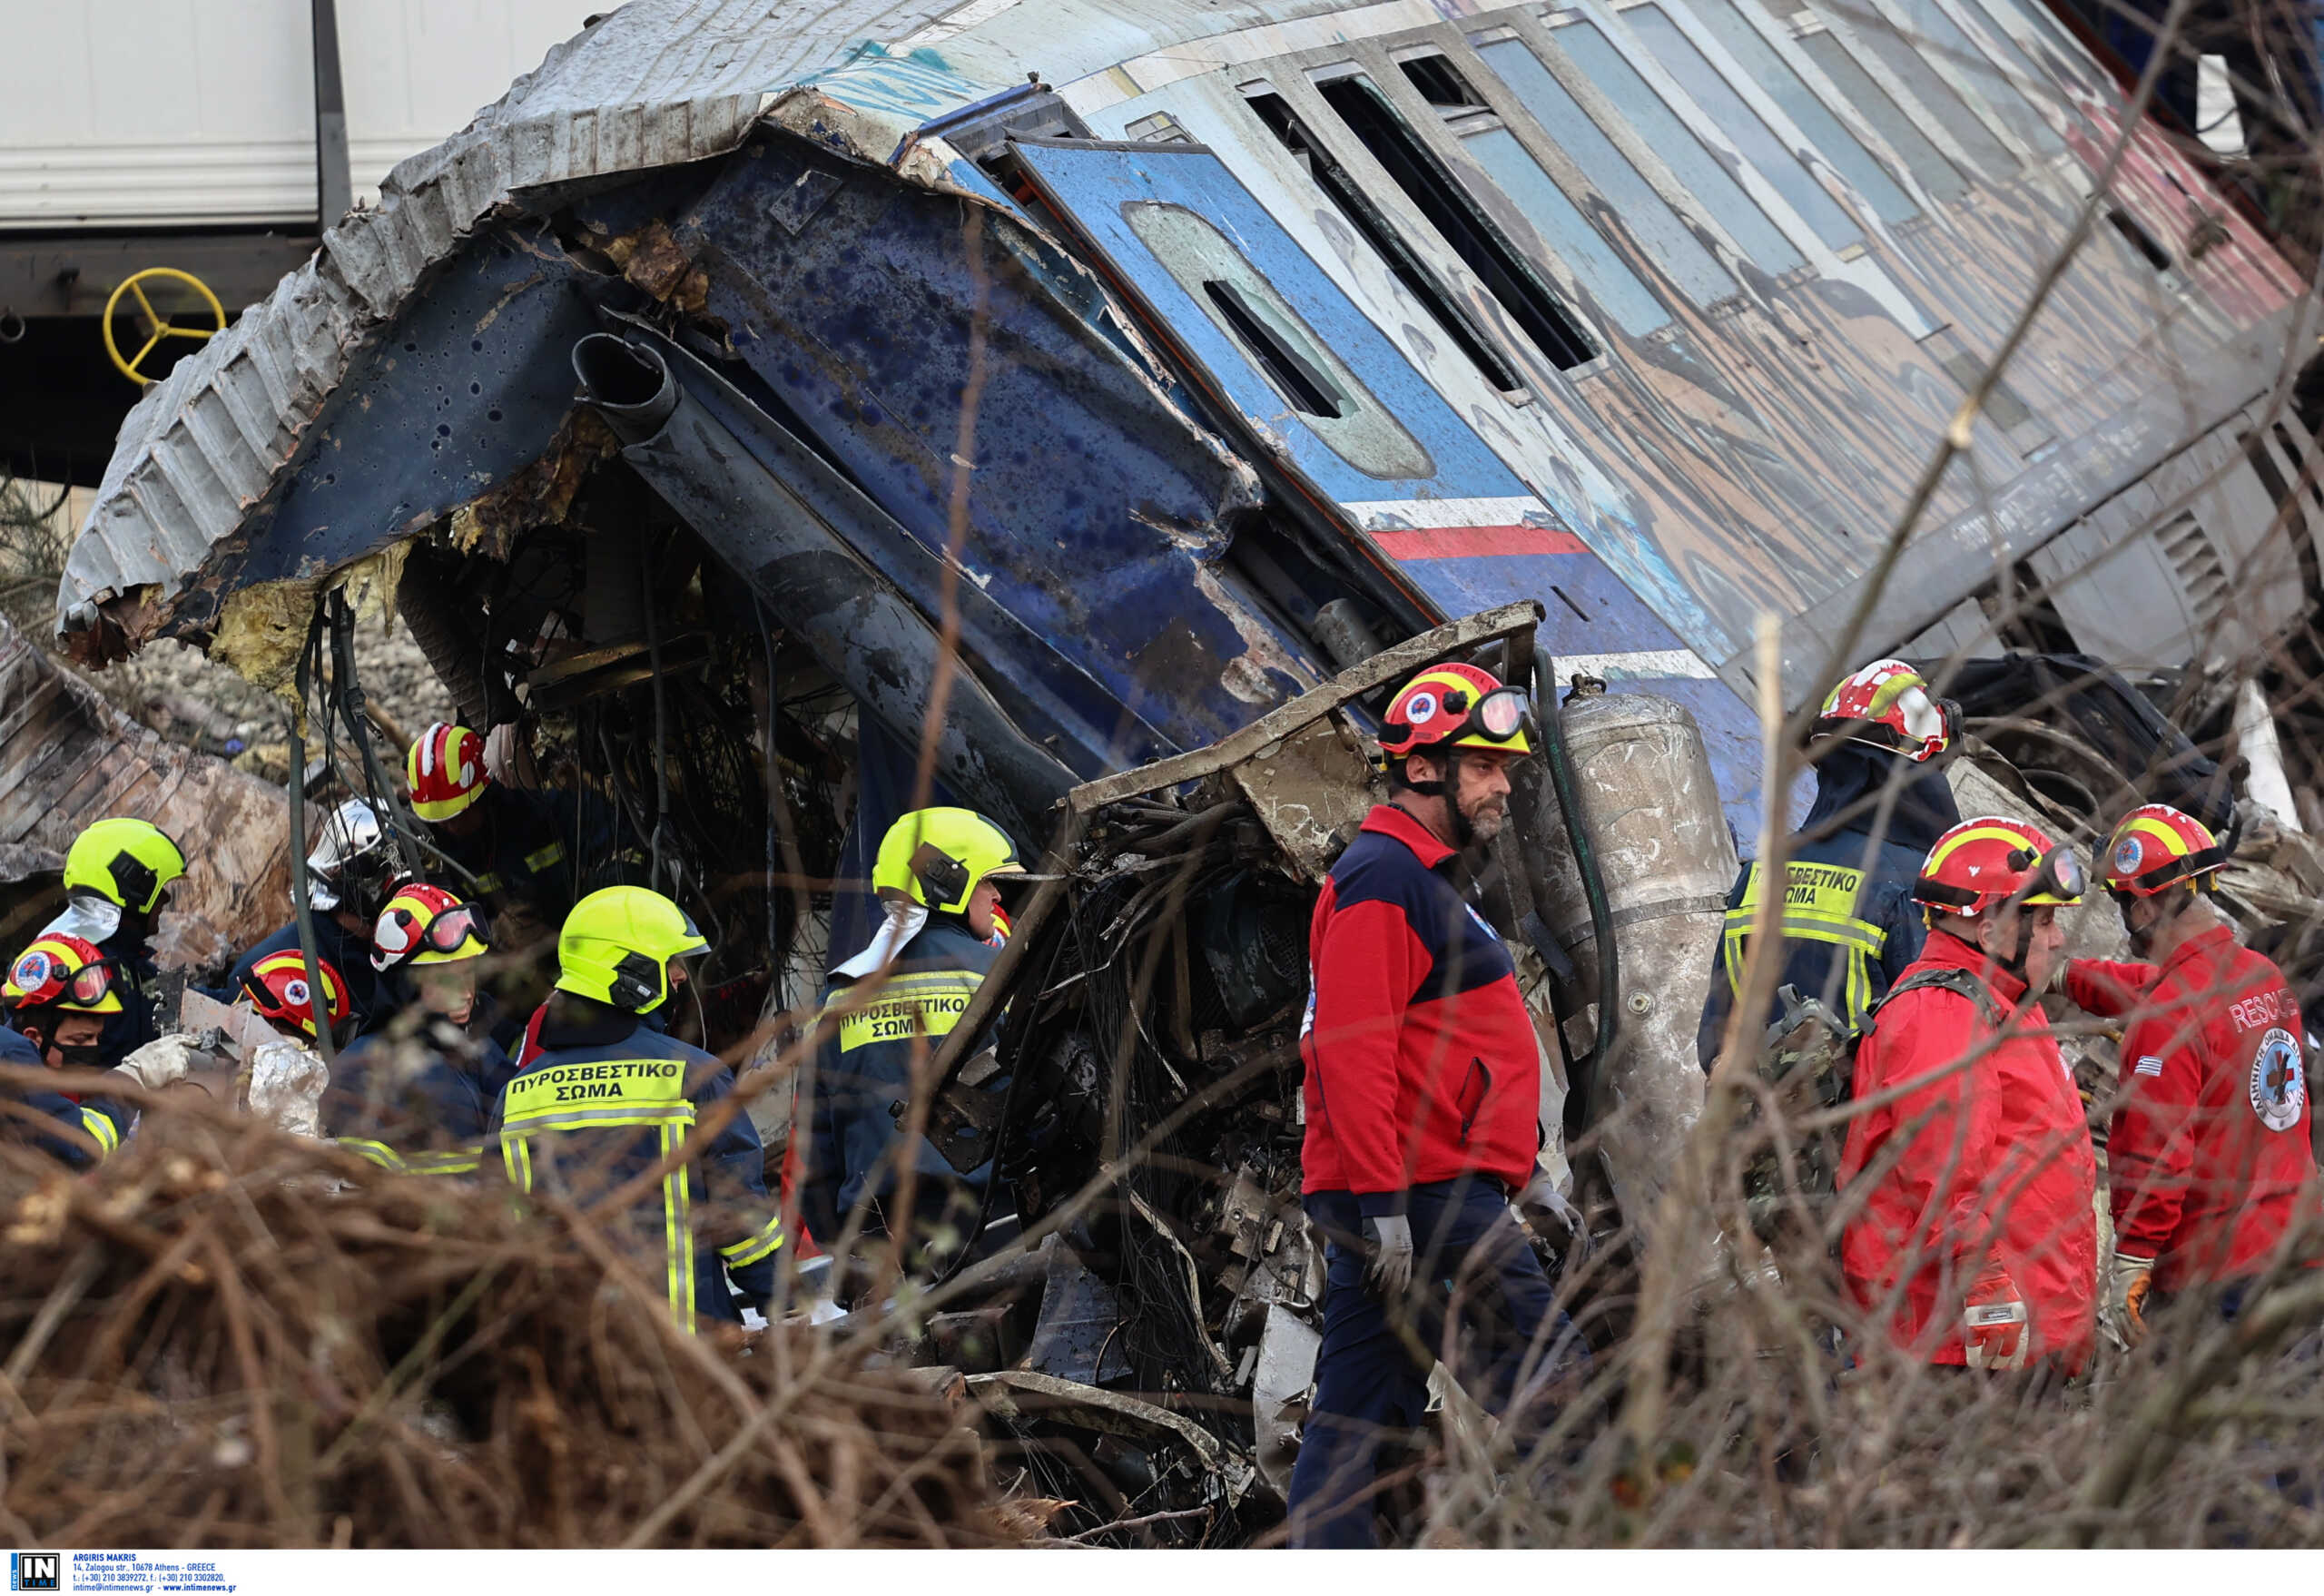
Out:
{"x": 1808, "y": 1062}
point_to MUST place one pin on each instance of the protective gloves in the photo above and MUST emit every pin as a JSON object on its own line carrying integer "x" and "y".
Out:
{"x": 2127, "y": 1287}
{"x": 1546, "y": 1211}
{"x": 1388, "y": 1255}
{"x": 1994, "y": 1323}
{"x": 287, "y": 1082}
{"x": 159, "y": 1063}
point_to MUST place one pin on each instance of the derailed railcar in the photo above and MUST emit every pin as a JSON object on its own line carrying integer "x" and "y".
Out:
{"x": 709, "y": 408}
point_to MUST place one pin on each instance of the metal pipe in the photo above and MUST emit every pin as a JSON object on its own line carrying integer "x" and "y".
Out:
{"x": 661, "y": 740}
{"x": 302, "y": 911}
{"x": 348, "y": 694}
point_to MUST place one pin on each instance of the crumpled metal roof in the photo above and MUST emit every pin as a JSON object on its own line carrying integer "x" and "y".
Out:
{"x": 657, "y": 82}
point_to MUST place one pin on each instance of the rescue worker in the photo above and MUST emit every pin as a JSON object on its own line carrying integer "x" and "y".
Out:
{"x": 1849, "y": 922}
{"x": 517, "y": 844}
{"x": 117, "y": 879}
{"x": 609, "y": 1097}
{"x": 418, "y": 1093}
{"x": 60, "y": 994}
{"x": 1977, "y": 1241}
{"x": 287, "y": 1076}
{"x": 348, "y": 875}
{"x": 939, "y": 877}
{"x": 1422, "y": 1093}
{"x": 2208, "y": 1152}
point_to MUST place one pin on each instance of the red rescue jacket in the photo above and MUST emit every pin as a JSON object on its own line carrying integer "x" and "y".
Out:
{"x": 1421, "y": 1061}
{"x": 2208, "y": 1156}
{"x": 1990, "y": 1158}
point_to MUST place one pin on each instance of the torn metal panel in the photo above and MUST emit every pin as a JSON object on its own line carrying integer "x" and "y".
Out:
{"x": 1077, "y": 1336}
{"x": 1092, "y": 503}
{"x": 67, "y": 757}
{"x": 788, "y": 535}
{"x": 1311, "y": 790}
{"x": 1024, "y": 1394}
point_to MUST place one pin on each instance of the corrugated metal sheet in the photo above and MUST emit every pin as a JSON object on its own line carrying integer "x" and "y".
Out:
{"x": 657, "y": 82}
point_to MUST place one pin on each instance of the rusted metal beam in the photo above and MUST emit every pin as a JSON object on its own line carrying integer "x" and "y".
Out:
{"x": 1310, "y": 706}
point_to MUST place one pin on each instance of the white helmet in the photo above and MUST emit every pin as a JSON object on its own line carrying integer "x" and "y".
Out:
{"x": 349, "y": 860}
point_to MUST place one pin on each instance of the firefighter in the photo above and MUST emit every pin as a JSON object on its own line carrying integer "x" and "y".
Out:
{"x": 60, "y": 994}
{"x": 348, "y": 872}
{"x": 1977, "y": 1241}
{"x": 418, "y": 1093}
{"x": 287, "y": 1076}
{"x": 609, "y": 1097}
{"x": 1422, "y": 1091}
{"x": 939, "y": 876}
{"x": 2208, "y": 1151}
{"x": 117, "y": 879}
{"x": 1849, "y": 922}
{"x": 517, "y": 845}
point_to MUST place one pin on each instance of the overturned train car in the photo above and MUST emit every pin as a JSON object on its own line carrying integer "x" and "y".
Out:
{"x": 1054, "y": 392}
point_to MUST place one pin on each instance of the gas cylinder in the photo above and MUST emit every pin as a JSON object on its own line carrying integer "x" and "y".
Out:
{"x": 1667, "y": 861}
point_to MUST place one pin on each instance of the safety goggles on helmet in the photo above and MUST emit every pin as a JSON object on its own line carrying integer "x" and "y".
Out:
{"x": 1455, "y": 705}
{"x": 427, "y": 925}
{"x": 64, "y": 972}
{"x": 1991, "y": 861}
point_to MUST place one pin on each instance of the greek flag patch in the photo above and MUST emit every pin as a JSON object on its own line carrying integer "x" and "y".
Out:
{"x": 2148, "y": 1064}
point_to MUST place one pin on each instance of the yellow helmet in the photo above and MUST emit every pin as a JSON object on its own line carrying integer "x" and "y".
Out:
{"x": 936, "y": 857}
{"x": 617, "y": 944}
{"x": 125, "y": 861}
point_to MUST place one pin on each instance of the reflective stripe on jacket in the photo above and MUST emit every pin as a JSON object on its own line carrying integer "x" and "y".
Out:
{"x": 865, "y": 1064}
{"x": 582, "y": 1121}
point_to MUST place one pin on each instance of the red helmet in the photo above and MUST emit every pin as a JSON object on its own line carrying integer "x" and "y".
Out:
{"x": 1454, "y": 705}
{"x": 277, "y": 988}
{"x": 63, "y": 971}
{"x": 1989, "y": 861}
{"x": 445, "y": 771}
{"x": 427, "y": 925}
{"x": 2155, "y": 845}
{"x": 1887, "y": 705}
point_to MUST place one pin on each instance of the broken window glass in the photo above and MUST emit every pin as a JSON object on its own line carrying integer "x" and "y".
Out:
{"x": 1511, "y": 168}
{"x": 1314, "y": 383}
{"x": 1633, "y": 201}
{"x": 1454, "y": 212}
{"x": 1454, "y": 318}
{"x": 1737, "y": 33}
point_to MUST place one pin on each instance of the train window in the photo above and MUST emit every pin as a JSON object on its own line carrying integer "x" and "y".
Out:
{"x": 1734, "y": 30}
{"x": 1454, "y": 212}
{"x": 2005, "y": 91}
{"x": 2066, "y": 55}
{"x": 1905, "y": 61}
{"x": 1754, "y": 138}
{"x": 1607, "y": 276}
{"x": 1631, "y": 201}
{"x": 1514, "y": 172}
{"x": 1711, "y": 183}
{"x": 1313, "y": 382}
{"x": 1921, "y": 158}
{"x": 1454, "y": 318}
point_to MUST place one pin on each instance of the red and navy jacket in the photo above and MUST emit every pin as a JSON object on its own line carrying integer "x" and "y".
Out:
{"x": 1422, "y": 1062}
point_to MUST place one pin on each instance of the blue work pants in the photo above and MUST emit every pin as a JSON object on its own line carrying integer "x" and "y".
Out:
{"x": 1372, "y": 1369}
